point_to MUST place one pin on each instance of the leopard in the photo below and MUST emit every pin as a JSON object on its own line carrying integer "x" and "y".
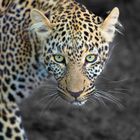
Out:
{"x": 39, "y": 38}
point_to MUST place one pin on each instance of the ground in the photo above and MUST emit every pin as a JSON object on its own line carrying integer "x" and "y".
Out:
{"x": 94, "y": 121}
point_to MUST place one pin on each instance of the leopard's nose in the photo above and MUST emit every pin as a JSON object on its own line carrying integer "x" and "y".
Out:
{"x": 75, "y": 94}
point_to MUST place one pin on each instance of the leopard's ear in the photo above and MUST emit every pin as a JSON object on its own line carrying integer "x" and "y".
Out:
{"x": 108, "y": 26}
{"x": 40, "y": 23}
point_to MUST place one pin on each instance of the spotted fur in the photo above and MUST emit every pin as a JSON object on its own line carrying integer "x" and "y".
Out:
{"x": 32, "y": 33}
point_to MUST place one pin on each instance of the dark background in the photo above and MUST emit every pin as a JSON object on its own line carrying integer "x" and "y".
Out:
{"x": 121, "y": 77}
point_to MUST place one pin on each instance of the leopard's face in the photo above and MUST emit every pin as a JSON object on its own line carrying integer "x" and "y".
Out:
{"x": 75, "y": 67}
{"x": 75, "y": 53}
{"x": 76, "y": 77}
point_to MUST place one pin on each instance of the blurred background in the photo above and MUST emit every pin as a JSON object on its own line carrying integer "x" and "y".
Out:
{"x": 59, "y": 121}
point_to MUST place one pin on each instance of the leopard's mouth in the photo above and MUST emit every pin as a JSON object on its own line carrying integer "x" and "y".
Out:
{"x": 71, "y": 100}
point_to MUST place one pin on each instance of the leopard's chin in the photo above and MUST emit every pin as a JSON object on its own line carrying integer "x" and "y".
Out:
{"x": 78, "y": 103}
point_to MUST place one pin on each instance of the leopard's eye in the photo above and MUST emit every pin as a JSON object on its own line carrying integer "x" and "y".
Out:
{"x": 91, "y": 58}
{"x": 59, "y": 58}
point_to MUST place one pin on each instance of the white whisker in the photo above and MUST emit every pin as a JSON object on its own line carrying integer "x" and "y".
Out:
{"x": 100, "y": 100}
{"x": 43, "y": 99}
{"x": 109, "y": 97}
{"x": 49, "y": 104}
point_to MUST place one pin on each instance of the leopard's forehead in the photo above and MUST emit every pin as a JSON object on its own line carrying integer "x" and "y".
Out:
{"x": 75, "y": 33}
{"x": 73, "y": 48}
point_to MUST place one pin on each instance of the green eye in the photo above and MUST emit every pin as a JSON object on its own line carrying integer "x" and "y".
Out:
{"x": 59, "y": 58}
{"x": 91, "y": 58}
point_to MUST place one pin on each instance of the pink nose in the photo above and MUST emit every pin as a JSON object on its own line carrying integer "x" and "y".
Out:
{"x": 75, "y": 94}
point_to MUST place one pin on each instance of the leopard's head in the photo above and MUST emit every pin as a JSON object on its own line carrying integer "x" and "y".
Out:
{"x": 74, "y": 48}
